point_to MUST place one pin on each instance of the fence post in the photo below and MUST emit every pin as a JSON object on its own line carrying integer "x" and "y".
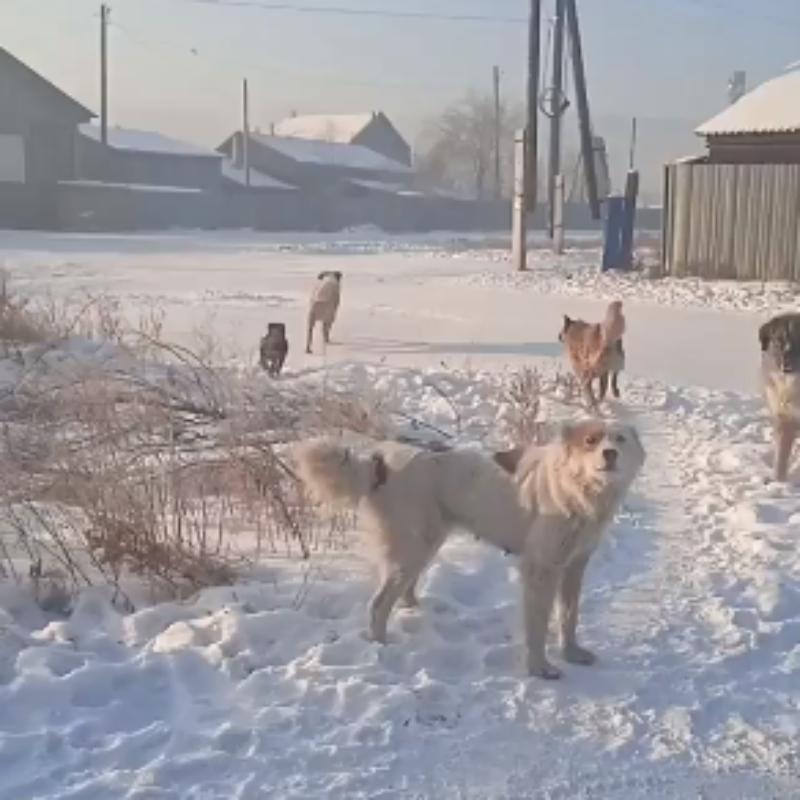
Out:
{"x": 612, "y": 235}
{"x": 519, "y": 233}
{"x": 667, "y": 227}
{"x": 629, "y": 220}
{"x": 558, "y": 216}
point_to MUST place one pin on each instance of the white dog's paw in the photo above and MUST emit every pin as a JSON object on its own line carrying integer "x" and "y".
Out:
{"x": 408, "y": 601}
{"x": 375, "y": 637}
{"x": 543, "y": 669}
{"x": 575, "y": 654}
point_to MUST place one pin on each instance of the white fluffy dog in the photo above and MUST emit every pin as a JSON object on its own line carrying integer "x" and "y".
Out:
{"x": 324, "y": 306}
{"x": 548, "y": 505}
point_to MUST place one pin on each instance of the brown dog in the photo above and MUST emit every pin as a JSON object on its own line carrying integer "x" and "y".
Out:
{"x": 596, "y": 352}
{"x": 324, "y": 305}
{"x": 780, "y": 378}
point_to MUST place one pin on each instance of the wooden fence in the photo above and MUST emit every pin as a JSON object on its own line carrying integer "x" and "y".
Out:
{"x": 732, "y": 221}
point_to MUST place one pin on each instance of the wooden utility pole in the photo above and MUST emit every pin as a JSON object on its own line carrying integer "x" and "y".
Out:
{"x": 532, "y": 129}
{"x": 246, "y": 132}
{"x": 519, "y": 227}
{"x": 582, "y": 102}
{"x": 498, "y": 133}
{"x": 104, "y": 74}
{"x": 555, "y": 112}
{"x": 558, "y": 216}
{"x": 632, "y": 150}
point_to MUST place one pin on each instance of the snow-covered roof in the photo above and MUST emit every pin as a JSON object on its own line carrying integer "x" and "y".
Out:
{"x": 133, "y": 187}
{"x": 342, "y": 128}
{"x": 772, "y": 107}
{"x": 314, "y": 151}
{"x": 379, "y": 186}
{"x": 257, "y": 179}
{"x": 146, "y": 142}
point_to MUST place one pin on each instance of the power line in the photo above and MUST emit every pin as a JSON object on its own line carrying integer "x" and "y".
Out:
{"x": 352, "y": 11}
{"x": 151, "y": 44}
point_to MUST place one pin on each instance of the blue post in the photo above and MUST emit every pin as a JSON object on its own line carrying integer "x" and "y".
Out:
{"x": 629, "y": 220}
{"x": 612, "y": 234}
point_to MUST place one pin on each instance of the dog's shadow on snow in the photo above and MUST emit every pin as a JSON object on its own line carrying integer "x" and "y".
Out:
{"x": 396, "y": 346}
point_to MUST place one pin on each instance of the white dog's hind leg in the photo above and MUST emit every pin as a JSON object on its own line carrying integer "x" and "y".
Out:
{"x": 540, "y": 585}
{"x": 409, "y": 598}
{"x": 395, "y": 583}
{"x": 569, "y": 598}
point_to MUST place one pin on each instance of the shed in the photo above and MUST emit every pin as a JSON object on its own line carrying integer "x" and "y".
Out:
{"x": 314, "y": 165}
{"x": 763, "y": 127}
{"x": 146, "y": 158}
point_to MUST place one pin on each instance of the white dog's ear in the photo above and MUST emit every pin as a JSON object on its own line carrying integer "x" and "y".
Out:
{"x": 565, "y": 431}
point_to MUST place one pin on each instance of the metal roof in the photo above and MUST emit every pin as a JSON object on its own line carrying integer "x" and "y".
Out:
{"x": 772, "y": 107}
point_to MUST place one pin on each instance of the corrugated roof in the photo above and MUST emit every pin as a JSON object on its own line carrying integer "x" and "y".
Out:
{"x": 342, "y": 128}
{"x": 8, "y": 59}
{"x": 772, "y": 107}
{"x": 311, "y": 151}
{"x": 146, "y": 142}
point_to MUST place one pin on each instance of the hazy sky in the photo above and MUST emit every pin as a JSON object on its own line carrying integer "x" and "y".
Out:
{"x": 176, "y": 65}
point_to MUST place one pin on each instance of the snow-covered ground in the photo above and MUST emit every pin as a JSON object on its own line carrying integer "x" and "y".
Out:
{"x": 693, "y": 603}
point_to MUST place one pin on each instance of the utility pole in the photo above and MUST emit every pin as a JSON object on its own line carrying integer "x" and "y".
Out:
{"x": 555, "y": 112}
{"x": 532, "y": 129}
{"x": 104, "y": 74}
{"x": 634, "y": 137}
{"x": 246, "y": 132}
{"x": 498, "y": 184}
{"x": 582, "y": 102}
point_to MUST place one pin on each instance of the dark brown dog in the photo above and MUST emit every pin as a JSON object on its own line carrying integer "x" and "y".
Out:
{"x": 274, "y": 349}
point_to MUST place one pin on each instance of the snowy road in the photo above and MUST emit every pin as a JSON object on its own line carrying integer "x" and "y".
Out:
{"x": 402, "y": 307}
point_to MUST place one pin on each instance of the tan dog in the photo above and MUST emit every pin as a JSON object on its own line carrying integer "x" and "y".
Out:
{"x": 780, "y": 377}
{"x": 324, "y": 306}
{"x": 549, "y": 506}
{"x": 596, "y": 352}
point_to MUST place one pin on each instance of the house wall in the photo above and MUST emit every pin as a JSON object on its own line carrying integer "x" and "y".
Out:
{"x": 381, "y": 137}
{"x": 31, "y": 108}
{"x": 97, "y": 208}
{"x": 762, "y": 149}
{"x": 732, "y": 221}
{"x": 95, "y": 162}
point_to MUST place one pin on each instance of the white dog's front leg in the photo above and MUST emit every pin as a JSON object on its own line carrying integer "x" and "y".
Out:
{"x": 540, "y": 585}
{"x": 569, "y": 598}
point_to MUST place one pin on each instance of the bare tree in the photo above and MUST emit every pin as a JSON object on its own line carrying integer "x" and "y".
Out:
{"x": 456, "y": 148}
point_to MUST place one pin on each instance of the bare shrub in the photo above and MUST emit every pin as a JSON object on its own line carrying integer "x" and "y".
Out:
{"x": 525, "y": 397}
{"x": 19, "y": 322}
{"x": 125, "y": 457}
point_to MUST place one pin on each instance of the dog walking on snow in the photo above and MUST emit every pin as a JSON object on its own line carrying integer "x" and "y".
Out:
{"x": 596, "y": 352}
{"x": 324, "y": 306}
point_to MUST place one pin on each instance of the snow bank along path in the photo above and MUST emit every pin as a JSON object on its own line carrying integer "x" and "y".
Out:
{"x": 693, "y": 605}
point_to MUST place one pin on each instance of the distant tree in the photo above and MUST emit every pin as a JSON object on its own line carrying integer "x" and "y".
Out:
{"x": 455, "y": 151}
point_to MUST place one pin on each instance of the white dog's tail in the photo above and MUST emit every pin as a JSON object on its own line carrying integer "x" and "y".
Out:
{"x": 335, "y": 473}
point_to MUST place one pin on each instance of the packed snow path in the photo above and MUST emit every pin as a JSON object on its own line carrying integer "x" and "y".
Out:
{"x": 693, "y": 605}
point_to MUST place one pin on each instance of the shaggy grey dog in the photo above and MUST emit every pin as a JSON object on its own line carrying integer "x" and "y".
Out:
{"x": 547, "y": 505}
